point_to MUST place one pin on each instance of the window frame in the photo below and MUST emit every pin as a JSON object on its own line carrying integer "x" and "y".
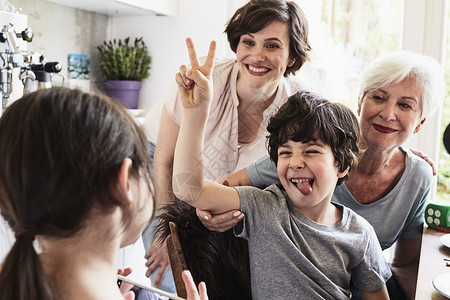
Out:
{"x": 424, "y": 31}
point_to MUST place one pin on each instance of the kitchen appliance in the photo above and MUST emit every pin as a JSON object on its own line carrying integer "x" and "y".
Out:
{"x": 38, "y": 76}
{"x": 33, "y": 75}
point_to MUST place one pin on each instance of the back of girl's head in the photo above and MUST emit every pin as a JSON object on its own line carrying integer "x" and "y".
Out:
{"x": 308, "y": 117}
{"x": 257, "y": 14}
{"x": 393, "y": 67}
{"x": 60, "y": 155}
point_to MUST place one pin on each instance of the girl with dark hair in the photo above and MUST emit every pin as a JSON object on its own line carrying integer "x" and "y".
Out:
{"x": 75, "y": 186}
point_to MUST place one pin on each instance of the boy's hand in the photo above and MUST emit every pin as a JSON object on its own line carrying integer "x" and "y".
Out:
{"x": 157, "y": 256}
{"x": 194, "y": 82}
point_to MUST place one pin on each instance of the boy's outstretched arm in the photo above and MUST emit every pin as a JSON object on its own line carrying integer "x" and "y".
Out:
{"x": 188, "y": 182}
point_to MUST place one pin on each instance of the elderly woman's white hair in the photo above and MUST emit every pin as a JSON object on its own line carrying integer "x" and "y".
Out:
{"x": 396, "y": 66}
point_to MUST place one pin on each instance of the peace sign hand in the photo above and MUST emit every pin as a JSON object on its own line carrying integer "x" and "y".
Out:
{"x": 195, "y": 82}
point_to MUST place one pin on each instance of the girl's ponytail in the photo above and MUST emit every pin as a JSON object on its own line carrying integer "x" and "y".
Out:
{"x": 21, "y": 274}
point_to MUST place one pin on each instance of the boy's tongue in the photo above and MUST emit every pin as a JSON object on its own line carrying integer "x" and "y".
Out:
{"x": 305, "y": 187}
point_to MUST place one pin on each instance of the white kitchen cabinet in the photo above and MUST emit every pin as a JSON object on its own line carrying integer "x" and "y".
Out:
{"x": 124, "y": 7}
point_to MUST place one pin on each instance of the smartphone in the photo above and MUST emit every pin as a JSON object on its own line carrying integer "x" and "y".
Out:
{"x": 141, "y": 291}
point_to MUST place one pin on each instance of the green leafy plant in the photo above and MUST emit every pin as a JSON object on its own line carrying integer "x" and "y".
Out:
{"x": 123, "y": 61}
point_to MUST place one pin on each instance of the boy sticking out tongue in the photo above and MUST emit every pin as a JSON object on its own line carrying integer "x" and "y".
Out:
{"x": 313, "y": 248}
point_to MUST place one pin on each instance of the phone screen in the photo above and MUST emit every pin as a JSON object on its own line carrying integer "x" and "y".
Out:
{"x": 142, "y": 291}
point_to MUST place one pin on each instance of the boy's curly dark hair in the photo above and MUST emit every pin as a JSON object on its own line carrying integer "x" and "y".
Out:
{"x": 307, "y": 116}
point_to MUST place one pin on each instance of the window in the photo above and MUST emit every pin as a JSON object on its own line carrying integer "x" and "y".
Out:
{"x": 346, "y": 35}
{"x": 443, "y": 183}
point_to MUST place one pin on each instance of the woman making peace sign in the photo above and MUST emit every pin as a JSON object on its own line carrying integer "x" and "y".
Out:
{"x": 270, "y": 39}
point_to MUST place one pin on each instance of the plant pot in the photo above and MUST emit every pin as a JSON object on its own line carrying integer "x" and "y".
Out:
{"x": 125, "y": 91}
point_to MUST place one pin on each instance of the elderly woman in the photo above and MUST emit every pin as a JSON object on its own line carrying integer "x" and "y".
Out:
{"x": 391, "y": 185}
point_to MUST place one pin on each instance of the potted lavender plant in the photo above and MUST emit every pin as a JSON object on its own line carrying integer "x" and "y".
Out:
{"x": 124, "y": 65}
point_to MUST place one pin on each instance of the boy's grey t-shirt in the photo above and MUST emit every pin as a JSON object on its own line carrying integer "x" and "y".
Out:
{"x": 292, "y": 257}
{"x": 402, "y": 208}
